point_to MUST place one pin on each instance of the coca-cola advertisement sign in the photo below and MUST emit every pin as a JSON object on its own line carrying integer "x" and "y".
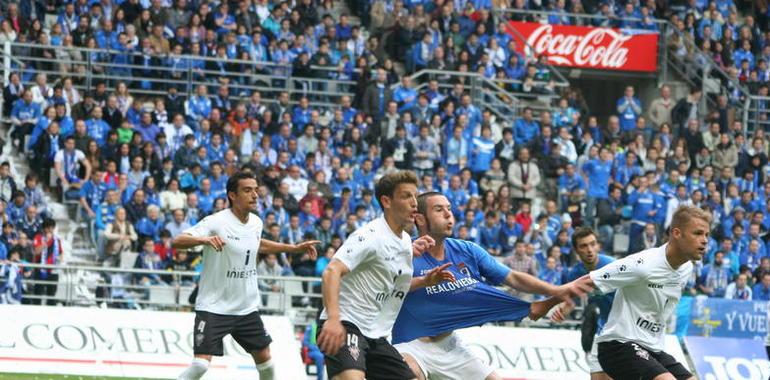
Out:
{"x": 587, "y": 47}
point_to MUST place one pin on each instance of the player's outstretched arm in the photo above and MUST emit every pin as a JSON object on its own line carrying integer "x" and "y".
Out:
{"x": 432, "y": 277}
{"x": 539, "y": 309}
{"x": 187, "y": 241}
{"x": 332, "y": 335}
{"x": 267, "y": 247}
{"x": 528, "y": 283}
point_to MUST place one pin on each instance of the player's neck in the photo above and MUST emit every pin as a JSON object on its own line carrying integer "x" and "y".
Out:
{"x": 437, "y": 251}
{"x": 241, "y": 214}
{"x": 674, "y": 256}
{"x": 395, "y": 227}
{"x": 590, "y": 267}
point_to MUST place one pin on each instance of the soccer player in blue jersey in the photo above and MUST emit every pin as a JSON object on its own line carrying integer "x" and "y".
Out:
{"x": 423, "y": 331}
{"x": 587, "y": 248}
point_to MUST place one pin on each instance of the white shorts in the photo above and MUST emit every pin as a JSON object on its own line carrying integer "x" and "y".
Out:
{"x": 592, "y": 358}
{"x": 445, "y": 359}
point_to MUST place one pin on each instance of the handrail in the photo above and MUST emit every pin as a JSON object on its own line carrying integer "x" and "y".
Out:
{"x": 325, "y": 89}
{"x": 574, "y": 15}
{"x": 184, "y": 56}
{"x": 474, "y": 77}
{"x": 149, "y": 271}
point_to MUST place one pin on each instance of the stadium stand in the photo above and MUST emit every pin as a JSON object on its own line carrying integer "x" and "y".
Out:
{"x": 125, "y": 119}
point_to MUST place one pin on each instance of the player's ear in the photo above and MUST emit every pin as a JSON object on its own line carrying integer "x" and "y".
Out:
{"x": 385, "y": 201}
{"x": 419, "y": 219}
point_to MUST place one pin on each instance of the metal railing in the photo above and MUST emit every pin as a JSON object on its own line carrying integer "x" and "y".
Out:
{"x": 78, "y": 286}
{"x": 87, "y": 66}
{"x": 168, "y": 290}
{"x": 758, "y": 113}
{"x": 496, "y": 95}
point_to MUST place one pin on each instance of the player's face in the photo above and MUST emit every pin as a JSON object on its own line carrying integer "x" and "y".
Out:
{"x": 246, "y": 196}
{"x": 693, "y": 238}
{"x": 439, "y": 217}
{"x": 403, "y": 204}
{"x": 588, "y": 249}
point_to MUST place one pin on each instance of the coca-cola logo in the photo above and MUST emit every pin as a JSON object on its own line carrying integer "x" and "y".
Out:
{"x": 600, "y": 47}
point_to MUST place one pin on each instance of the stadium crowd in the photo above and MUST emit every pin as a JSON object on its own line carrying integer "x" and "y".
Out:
{"x": 143, "y": 169}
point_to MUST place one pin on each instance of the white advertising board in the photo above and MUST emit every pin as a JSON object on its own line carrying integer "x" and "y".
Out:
{"x": 537, "y": 354}
{"x": 127, "y": 343}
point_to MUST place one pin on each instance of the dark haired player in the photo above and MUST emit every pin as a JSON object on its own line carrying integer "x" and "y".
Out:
{"x": 228, "y": 293}
{"x": 365, "y": 284}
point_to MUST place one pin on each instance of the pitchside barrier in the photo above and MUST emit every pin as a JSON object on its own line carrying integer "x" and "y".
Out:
{"x": 529, "y": 353}
{"x": 152, "y": 344}
{"x": 127, "y": 343}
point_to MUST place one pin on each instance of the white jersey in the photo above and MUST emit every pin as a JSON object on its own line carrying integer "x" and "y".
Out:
{"x": 648, "y": 290}
{"x": 380, "y": 264}
{"x": 228, "y": 284}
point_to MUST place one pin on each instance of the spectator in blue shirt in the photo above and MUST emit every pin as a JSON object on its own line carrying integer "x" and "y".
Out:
{"x": 761, "y": 290}
{"x": 629, "y": 109}
{"x": 482, "y": 152}
{"x": 489, "y": 233}
{"x": 572, "y": 187}
{"x": 598, "y": 172}
{"x": 551, "y": 272}
{"x": 97, "y": 127}
{"x": 628, "y": 170}
{"x": 24, "y": 116}
{"x": 510, "y": 233}
{"x": 644, "y": 209}
{"x": 525, "y": 128}
{"x": 198, "y": 107}
{"x": 405, "y": 95}
{"x": 715, "y": 277}
{"x": 105, "y": 212}
{"x": 457, "y": 196}
{"x": 151, "y": 225}
{"x": 743, "y": 54}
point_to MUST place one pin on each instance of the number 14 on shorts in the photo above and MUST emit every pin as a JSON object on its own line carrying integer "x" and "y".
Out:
{"x": 352, "y": 343}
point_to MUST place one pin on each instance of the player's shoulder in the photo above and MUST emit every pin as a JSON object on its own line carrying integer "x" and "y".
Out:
{"x": 368, "y": 233}
{"x": 648, "y": 259}
{"x": 255, "y": 220}
{"x": 604, "y": 260}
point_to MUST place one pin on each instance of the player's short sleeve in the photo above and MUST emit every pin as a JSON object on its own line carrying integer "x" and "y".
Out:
{"x": 620, "y": 273}
{"x": 79, "y": 155}
{"x": 491, "y": 269}
{"x": 202, "y": 228}
{"x": 356, "y": 249}
{"x": 59, "y": 156}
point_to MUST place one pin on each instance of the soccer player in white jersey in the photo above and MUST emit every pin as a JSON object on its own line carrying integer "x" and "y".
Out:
{"x": 438, "y": 353}
{"x": 648, "y": 287}
{"x": 228, "y": 293}
{"x": 365, "y": 284}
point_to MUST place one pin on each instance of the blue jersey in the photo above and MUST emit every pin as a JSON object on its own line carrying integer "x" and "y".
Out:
{"x": 598, "y": 173}
{"x": 603, "y": 301}
{"x": 468, "y": 301}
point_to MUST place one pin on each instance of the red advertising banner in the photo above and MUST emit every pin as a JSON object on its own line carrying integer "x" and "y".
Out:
{"x": 587, "y": 47}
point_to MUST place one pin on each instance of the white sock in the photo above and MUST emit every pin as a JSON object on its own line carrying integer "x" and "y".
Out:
{"x": 196, "y": 370}
{"x": 266, "y": 370}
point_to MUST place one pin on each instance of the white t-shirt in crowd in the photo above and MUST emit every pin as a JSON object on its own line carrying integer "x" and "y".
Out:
{"x": 648, "y": 290}
{"x": 72, "y": 158}
{"x": 380, "y": 264}
{"x": 228, "y": 284}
